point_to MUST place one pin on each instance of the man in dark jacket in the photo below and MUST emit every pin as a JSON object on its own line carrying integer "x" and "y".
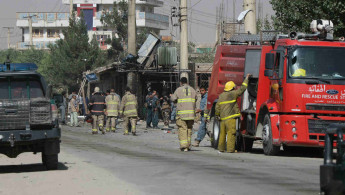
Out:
{"x": 97, "y": 106}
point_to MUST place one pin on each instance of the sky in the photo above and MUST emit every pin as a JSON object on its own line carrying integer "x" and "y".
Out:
{"x": 201, "y": 13}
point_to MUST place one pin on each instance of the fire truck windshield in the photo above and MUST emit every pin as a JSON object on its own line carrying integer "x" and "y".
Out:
{"x": 317, "y": 63}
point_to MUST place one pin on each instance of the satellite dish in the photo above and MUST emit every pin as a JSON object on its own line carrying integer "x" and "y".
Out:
{"x": 243, "y": 15}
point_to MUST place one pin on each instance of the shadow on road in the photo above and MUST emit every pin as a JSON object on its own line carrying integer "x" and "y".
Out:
{"x": 306, "y": 153}
{"x": 28, "y": 168}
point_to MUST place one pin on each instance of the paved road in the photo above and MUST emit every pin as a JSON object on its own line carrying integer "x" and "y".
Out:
{"x": 151, "y": 163}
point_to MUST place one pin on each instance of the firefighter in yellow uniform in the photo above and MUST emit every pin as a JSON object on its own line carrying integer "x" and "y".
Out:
{"x": 112, "y": 102}
{"x": 186, "y": 98}
{"x": 128, "y": 109}
{"x": 227, "y": 109}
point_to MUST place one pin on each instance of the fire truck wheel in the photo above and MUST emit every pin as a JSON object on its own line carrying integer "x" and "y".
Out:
{"x": 267, "y": 141}
{"x": 215, "y": 127}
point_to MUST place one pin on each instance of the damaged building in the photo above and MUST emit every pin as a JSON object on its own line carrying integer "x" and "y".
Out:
{"x": 156, "y": 68}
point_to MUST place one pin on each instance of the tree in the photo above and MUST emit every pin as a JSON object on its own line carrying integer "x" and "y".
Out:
{"x": 262, "y": 25}
{"x": 70, "y": 56}
{"x": 297, "y": 15}
{"x": 117, "y": 20}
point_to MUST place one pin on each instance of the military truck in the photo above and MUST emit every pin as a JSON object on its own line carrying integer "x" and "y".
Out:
{"x": 27, "y": 123}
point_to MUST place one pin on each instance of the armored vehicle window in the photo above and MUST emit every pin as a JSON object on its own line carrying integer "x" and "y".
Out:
{"x": 19, "y": 89}
{"x": 35, "y": 89}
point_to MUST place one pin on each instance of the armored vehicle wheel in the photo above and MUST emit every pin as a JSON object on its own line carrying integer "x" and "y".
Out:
{"x": 50, "y": 161}
{"x": 267, "y": 140}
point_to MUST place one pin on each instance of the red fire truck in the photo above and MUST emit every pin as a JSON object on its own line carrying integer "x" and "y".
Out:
{"x": 297, "y": 88}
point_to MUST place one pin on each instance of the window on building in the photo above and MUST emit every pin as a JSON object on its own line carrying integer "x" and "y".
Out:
{"x": 53, "y": 33}
{"x": 37, "y": 32}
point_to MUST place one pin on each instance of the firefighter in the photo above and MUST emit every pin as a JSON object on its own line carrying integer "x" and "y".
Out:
{"x": 228, "y": 111}
{"x": 129, "y": 106}
{"x": 185, "y": 96}
{"x": 112, "y": 102}
{"x": 97, "y": 106}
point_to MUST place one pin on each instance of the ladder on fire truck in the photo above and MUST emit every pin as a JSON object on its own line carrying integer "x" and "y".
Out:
{"x": 265, "y": 37}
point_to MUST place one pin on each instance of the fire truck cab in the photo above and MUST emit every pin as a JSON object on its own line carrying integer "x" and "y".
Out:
{"x": 297, "y": 88}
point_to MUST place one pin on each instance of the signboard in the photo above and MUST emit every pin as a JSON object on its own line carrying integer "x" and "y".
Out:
{"x": 146, "y": 48}
{"x": 91, "y": 77}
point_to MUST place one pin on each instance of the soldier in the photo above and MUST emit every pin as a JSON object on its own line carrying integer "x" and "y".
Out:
{"x": 185, "y": 96}
{"x": 165, "y": 110}
{"x": 97, "y": 106}
{"x": 227, "y": 109}
{"x": 112, "y": 102}
{"x": 129, "y": 106}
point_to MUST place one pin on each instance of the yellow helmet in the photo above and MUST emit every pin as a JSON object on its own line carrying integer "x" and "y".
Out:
{"x": 229, "y": 85}
{"x": 299, "y": 73}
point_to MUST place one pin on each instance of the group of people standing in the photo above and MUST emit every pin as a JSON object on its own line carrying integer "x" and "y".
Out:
{"x": 112, "y": 107}
{"x": 188, "y": 103}
{"x": 155, "y": 106}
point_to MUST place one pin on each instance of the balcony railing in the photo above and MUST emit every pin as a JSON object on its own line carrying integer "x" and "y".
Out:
{"x": 36, "y": 45}
{"x": 48, "y": 17}
{"x": 154, "y": 17}
{"x": 151, "y": 2}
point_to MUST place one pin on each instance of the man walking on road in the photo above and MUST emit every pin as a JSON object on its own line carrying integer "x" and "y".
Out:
{"x": 152, "y": 113}
{"x": 113, "y": 106}
{"x": 97, "y": 106}
{"x": 74, "y": 109}
{"x": 185, "y": 96}
{"x": 129, "y": 106}
{"x": 202, "y": 128}
{"x": 228, "y": 111}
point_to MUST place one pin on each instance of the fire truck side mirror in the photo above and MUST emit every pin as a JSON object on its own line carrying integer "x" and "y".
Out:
{"x": 269, "y": 63}
{"x": 268, "y": 73}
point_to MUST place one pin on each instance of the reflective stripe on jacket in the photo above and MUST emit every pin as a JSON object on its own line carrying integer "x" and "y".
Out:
{"x": 227, "y": 106}
{"x": 129, "y": 105}
{"x": 113, "y": 104}
{"x": 187, "y": 102}
{"x": 97, "y": 104}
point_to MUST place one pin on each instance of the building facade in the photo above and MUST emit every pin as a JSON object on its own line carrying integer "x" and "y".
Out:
{"x": 48, "y": 27}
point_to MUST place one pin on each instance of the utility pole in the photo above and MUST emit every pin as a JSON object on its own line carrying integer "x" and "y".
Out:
{"x": 8, "y": 36}
{"x": 132, "y": 36}
{"x": 184, "y": 39}
{"x": 70, "y": 8}
{"x": 250, "y": 19}
{"x": 30, "y": 28}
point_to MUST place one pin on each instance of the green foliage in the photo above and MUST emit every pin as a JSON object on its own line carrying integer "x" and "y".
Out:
{"x": 203, "y": 58}
{"x": 70, "y": 56}
{"x": 297, "y": 15}
{"x": 30, "y": 55}
{"x": 262, "y": 25}
{"x": 117, "y": 20}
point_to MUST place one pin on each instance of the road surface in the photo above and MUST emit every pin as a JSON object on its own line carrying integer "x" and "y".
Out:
{"x": 151, "y": 163}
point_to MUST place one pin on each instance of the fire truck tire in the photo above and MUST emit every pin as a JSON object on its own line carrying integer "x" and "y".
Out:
{"x": 267, "y": 140}
{"x": 215, "y": 126}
